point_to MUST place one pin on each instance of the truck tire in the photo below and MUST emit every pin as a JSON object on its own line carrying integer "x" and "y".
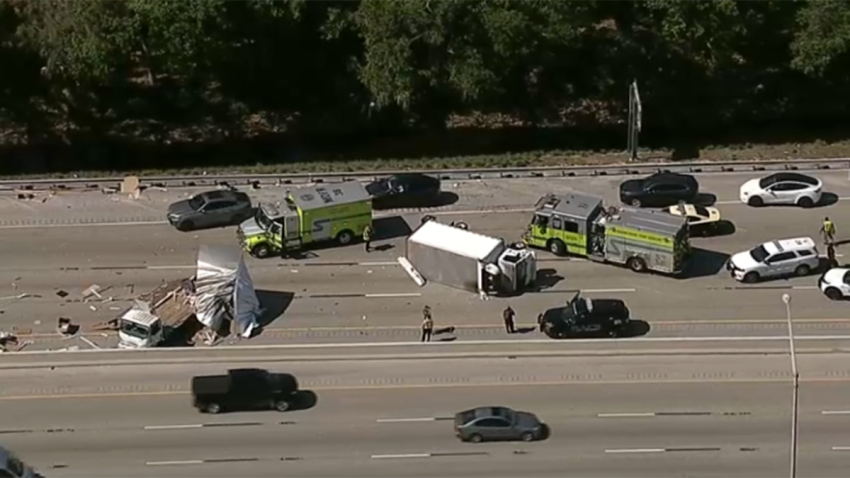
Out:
{"x": 261, "y": 251}
{"x": 282, "y": 405}
{"x": 427, "y": 218}
{"x": 557, "y": 247}
{"x": 636, "y": 264}
{"x": 345, "y": 238}
{"x": 213, "y": 408}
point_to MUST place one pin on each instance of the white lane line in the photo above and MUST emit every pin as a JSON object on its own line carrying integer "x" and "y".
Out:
{"x": 354, "y": 345}
{"x": 90, "y": 224}
{"x": 841, "y": 448}
{"x": 174, "y": 463}
{"x": 403, "y": 455}
{"x": 167, "y": 268}
{"x": 635, "y": 450}
{"x": 804, "y": 287}
{"x": 606, "y": 291}
{"x": 625, "y": 415}
{"x": 835, "y": 412}
{"x": 375, "y": 296}
{"x": 90, "y": 343}
{"x": 173, "y": 427}
{"x": 367, "y": 264}
{"x": 405, "y": 420}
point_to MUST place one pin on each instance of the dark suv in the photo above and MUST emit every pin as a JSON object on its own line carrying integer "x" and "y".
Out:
{"x": 244, "y": 389}
{"x": 586, "y": 317}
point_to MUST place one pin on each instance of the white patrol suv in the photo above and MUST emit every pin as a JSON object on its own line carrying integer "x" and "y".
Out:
{"x": 784, "y": 257}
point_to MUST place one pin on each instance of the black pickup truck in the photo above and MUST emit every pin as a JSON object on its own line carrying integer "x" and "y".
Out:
{"x": 244, "y": 389}
{"x": 586, "y": 317}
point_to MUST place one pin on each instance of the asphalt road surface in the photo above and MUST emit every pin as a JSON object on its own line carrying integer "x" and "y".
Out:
{"x": 702, "y": 417}
{"x": 345, "y": 295}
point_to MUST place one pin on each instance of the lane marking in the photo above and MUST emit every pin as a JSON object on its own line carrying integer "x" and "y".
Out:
{"x": 401, "y": 456}
{"x": 635, "y": 450}
{"x": 405, "y": 420}
{"x": 625, "y": 415}
{"x": 555, "y": 383}
{"x": 835, "y": 412}
{"x": 90, "y": 224}
{"x": 602, "y": 291}
{"x": 402, "y": 294}
{"x": 173, "y": 427}
{"x": 841, "y": 448}
{"x": 174, "y": 462}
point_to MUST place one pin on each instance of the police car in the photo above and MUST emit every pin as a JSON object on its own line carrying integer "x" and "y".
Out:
{"x": 702, "y": 221}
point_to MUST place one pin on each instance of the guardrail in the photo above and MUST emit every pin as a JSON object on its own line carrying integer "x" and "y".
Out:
{"x": 696, "y": 167}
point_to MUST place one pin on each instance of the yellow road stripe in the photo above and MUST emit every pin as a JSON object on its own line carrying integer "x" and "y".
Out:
{"x": 447, "y": 385}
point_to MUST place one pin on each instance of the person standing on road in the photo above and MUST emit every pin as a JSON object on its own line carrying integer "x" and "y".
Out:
{"x": 830, "y": 255}
{"x": 509, "y": 315}
{"x": 828, "y": 231}
{"x": 540, "y": 322}
{"x": 367, "y": 237}
{"x": 427, "y": 324}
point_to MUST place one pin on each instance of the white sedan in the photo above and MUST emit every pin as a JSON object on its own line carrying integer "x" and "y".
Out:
{"x": 782, "y": 188}
{"x": 835, "y": 283}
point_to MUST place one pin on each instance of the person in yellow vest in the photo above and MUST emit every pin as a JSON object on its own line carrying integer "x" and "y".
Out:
{"x": 828, "y": 231}
{"x": 367, "y": 237}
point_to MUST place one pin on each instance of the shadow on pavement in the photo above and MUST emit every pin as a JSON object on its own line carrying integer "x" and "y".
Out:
{"x": 390, "y": 228}
{"x": 274, "y": 303}
{"x": 305, "y": 400}
{"x": 704, "y": 263}
{"x": 637, "y": 328}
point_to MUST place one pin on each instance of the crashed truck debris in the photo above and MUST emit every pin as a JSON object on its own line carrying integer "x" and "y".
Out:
{"x": 224, "y": 288}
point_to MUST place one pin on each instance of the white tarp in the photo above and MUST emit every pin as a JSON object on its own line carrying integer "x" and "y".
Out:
{"x": 224, "y": 290}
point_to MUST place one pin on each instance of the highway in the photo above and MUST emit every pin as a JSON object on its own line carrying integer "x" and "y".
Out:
{"x": 346, "y": 322}
{"x": 344, "y": 294}
{"x": 714, "y": 416}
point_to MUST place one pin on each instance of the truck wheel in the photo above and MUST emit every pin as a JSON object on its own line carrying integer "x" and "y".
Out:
{"x": 428, "y": 218}
{"x": 557, "y": 247}
{"x": 476, "y": 438}
{"x": 637, "y": 264}
{"x": 213, "y": 408}
{"x": 344, "y": 238}
{"x": 261, "y": 251}
{"x": 613, "y": 333}
{"x": 281, "y": 405}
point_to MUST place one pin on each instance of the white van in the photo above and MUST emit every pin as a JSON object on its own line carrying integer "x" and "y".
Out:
{"x": 772, "y": 259}
{"x": 12, "y": 467}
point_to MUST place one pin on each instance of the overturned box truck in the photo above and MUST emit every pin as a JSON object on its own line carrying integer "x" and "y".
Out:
{"x": 465, "y": 260}
{"x": 220, "y": 291}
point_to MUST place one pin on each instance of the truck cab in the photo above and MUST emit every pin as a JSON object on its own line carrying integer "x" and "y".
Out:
{"x": 586, "y": 317}
{"x": 563, "y": 224}
{"x": 12, "y": 467}
{"x": 271, "y": 230}
{"x": 139, "y": 329}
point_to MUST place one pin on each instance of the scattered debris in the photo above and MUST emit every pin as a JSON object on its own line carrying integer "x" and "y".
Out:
{"x": 130, "y": 185}
{"x": 108, "y": 325}
{"x": 15, "y": 297}
{"x": 109, "y": 190}
{"x": 93, "y": 308}
{"x": 92, "y": 290}
{"x": 62, "y": 294}
{"x": 65, "y": 327}
{"x": 26, "y": 197}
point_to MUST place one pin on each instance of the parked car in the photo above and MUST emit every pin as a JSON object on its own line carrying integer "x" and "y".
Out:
{"x": 497, "y": 424}
{"x": 210, "y": 209}
{"x": 659, "y": 190}
{"x": 782, "y": 188}
{"x": 582, "y": 316}
{"x": 835, "y": 283}
{"x": 244, "y": 389}
{"x": 402, "y": 190}
{"x": 773, "y": 259}
{"x": 702, "y": 221}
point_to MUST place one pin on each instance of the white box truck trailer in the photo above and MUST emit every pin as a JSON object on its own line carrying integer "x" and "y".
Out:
{"x": 465, "y": 260}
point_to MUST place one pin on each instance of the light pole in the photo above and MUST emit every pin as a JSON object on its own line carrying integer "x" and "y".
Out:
{"x": 786, "y": 298}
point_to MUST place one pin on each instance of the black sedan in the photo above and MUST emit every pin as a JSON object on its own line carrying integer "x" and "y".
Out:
{"x": 404, "y": 190}
{"x": 210, "y": 209}
{"x": 498, "y": 424}
{"x": 659, "y": 190}
{"x": 586, "y": 317}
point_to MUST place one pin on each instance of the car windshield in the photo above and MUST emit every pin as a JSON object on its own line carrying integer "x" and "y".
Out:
{"x": 701, "y": 211}
{"x": 134, "y": 330}
{"x": 196, "y": 202}
{"x": 759, "y": 254}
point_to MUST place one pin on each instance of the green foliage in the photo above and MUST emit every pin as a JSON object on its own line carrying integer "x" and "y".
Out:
{"x": 341, "y": 73}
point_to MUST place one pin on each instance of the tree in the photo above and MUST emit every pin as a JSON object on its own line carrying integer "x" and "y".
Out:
{"x": 823, "y": 35}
